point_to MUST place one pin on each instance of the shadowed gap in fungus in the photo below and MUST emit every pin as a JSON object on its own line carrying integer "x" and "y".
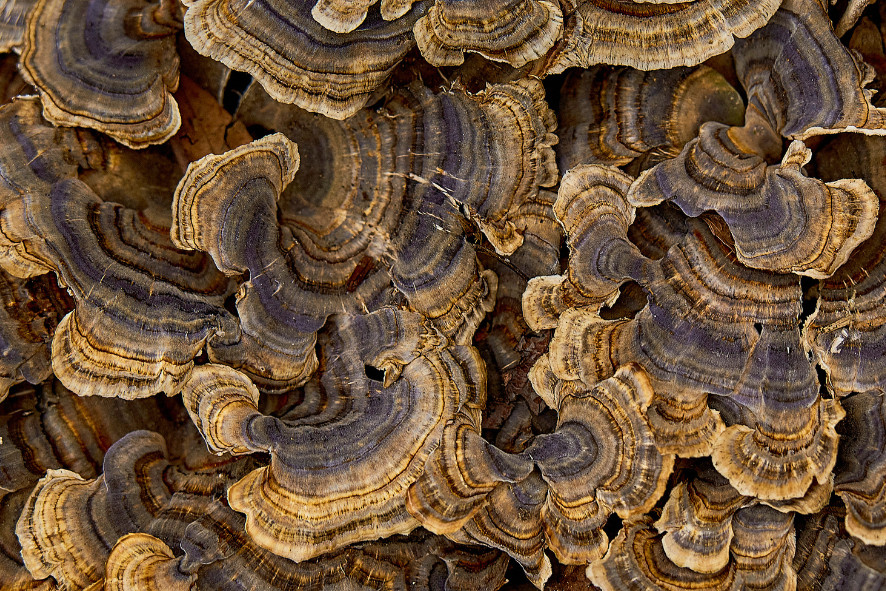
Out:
{"x": 546, "y": 421}
{"x": 235, "y": 87}
{"x": 375, "y": 374}
{"x": 231, "y": 304}
{"x": 564, "y": 255}
{"x": 823, "y": 389}
{"x": 552, "y": 85}
{"x": 809, "y": 286}
{"x": 630, "y": 301}
{"x": 613, "y": 526}
{"x": 258, "y": 131}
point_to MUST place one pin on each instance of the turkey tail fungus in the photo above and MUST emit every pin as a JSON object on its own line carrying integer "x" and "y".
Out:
{"x": 442, "y": 294}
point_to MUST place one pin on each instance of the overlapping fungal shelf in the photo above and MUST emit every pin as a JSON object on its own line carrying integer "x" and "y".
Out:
{"x": 442, "y": 294}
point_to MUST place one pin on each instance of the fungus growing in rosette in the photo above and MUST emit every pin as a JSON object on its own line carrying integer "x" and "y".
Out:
{"x": 710, "y": 326}
{"x": 601, "y": 459}
{"x": 307, "y": 502}
{"x": 377, "y": 217}
{"x": 172, "y": 301}
{"x": 779, "y": 219}
{"x": 142, "y": 308}
{"x": 697, "y": 520}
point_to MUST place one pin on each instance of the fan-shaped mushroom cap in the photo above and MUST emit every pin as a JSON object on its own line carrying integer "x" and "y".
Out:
{"x": 613, "y": 115}
{"x": 762, "y": 462}
{"x": 596, "y": 216}
{"x": 12, "y": 571}
{"x": 123, "y": 273}
{"x": 69, "y": 525}
{"x": 277, "y": 337}
{"x": 682, "y": 422}
{"x": 789, "y": 48}
{"x": 761, "y": 549}
{"x": 600, "y": 460}
{"x": 683, "y": 344}
{"x": 343, "y": 16}
{"x": 33, "y": 157}
{"x": 636, "y": 561}
{"x": 225, "y": 558}
{"x": 294, "y": 57}
{"x": 511, "y": 521}
{"x": 651, "y": 35}
{"x": 460, "y": 474}
{"x": 110, "y": 67}
{"x": 506, "y": 123}
{"x": 588, "y": 348}
{"x": 780, "y": 219}
{"x": 274, "y": 157}
{"x": 50, "y": 428}
{"x": 832, "y": 97}
{"x": 512, "y": 31}
{"x": 859, "y": 477}
{"x": 542, "y": 236}
{"x": 847, "y": 331}
{"x": 118, "y": 264}
{"x": 47, "y": 522}
{"x": 306, "y": 502}
{"x": 375, "y": 207}
{"x": 13, "y": 19}
{"x": 697, "y": 522}
{"x": 141, "y": 561}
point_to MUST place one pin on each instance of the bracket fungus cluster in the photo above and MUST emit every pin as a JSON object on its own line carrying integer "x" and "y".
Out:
{"x": 442, "y": 294}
